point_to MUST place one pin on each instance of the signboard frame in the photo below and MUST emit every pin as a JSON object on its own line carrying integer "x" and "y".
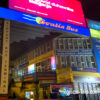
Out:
{"x": 43, "y": 22}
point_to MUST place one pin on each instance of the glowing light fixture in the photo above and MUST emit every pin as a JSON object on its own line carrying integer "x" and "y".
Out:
{"x": 27, "y": 95}
{"x": 53, "y": 63}
{"x": 31, "y": 93}
{"x": 31, "y": 69}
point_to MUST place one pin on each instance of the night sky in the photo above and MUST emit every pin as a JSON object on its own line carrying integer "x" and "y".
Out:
{"x": 91, "y": 8}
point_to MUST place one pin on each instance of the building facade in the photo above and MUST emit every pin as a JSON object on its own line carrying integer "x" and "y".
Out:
{"x": 78, "y": 54}
{"x": 56, "y": 64}
{"x": 62, "y": 60}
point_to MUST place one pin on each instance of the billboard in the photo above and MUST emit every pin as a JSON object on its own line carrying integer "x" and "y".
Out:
{"x": 40, "y": 21}
{"x": 95, "y": 34}
{"x": 55, "y": 87}
{"x": 94, "y": 24}
{"x": 69, "y": 11}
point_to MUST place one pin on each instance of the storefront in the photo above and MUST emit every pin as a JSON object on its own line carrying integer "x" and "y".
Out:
{"x": 38, "y": 84}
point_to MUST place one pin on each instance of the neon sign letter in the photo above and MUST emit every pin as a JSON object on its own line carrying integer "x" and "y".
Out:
{"x": 48, "y": 4}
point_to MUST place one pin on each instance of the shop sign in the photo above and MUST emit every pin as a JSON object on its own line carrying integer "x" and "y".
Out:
{"x": 94, "y": 24}
{"x": 88, "y": 78}
{"x": 84, "y": 69}
{"x": 47, "y": 81}
{"x": 60, "y": 87}
{"x": 29, "y": 77}
{"x": 69, "y": 11}
{"x": 95, "y": 34}
{"x": 17, "y": 79}
{"x": 64, "y": 91}
{"x": 24, "y": 65}
{"x": 74, "y": 52}
{"x": 44, "y": 22}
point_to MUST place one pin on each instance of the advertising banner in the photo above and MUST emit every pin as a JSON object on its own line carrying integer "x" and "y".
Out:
{"x": 23, "y": 65}
{"x": 69, "y": 11}
{"x": 95, "y": 34}
{"x": 44, "y": 22}
{"x": 56, "y": 87}
{"x": 84, "y": 69}
{"x": 86, "y": 78}
{"x": 74, "y": 52}
{"x": 94, "y": 24}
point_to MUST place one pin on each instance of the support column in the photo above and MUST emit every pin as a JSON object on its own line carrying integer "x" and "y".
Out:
{"x": 5, "y": 60}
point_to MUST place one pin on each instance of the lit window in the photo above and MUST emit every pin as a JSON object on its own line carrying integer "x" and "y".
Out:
{"x": 20, "y": 73}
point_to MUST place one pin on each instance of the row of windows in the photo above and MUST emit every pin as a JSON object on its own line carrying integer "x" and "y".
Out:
{"x": 44, "y": 66}
{"x": 46, "y": 47}
{"x": 62, "y": 43}
{"x": 78, "y": 61}
{"x": 20, "y": 72}
{"x": 73, "y": 43}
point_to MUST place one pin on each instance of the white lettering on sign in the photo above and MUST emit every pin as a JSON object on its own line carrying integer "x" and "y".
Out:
{"x": 48, "y": 4}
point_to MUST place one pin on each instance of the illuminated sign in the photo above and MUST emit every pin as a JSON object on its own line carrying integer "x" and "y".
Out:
{"x": 29, "y": 77}
{"x": 44, "y": 22}
{"x": 53, "y": 63}
{"x": 74, "y": 52}
{"x": 64, "y": 91}
{"x": 94, "y": 24}
{"x": 95, "y": 34}
{"x": 81, "y": 69}
{"x": 31, "y": 69}
{"x": 23, "y": 65}
{"x": 69, "y": 11}
{"x": 55, "y": 88}
{"x": 29, "y": 95}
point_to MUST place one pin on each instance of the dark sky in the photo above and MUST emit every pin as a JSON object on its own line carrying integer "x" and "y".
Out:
{"x": 91, "y": 8}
